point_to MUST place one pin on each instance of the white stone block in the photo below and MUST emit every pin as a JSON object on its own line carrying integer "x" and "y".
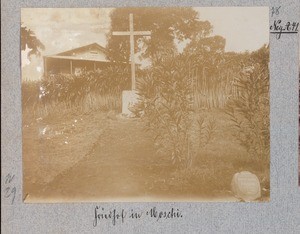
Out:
{"x": 129, "y": 99}
{"x": 246, "y": 186}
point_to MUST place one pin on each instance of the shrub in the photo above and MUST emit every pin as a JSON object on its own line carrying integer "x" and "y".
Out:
{"x": 30, "y": 93}
{"x": 72, "y": 89}
{"x": 166, "y": 101}
{"x": 66, "y": 93}
{"x": 166, "y": 94}
{"x": 249, "y": 112}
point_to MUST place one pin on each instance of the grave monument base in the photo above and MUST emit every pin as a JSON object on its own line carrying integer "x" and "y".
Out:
{"x": 129, "y": 99}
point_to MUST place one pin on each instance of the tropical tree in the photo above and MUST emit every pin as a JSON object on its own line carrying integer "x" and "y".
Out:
{"x": 165, "y": 25}
{"x": 29, "y": 39}
{"x": 208, "y": 52}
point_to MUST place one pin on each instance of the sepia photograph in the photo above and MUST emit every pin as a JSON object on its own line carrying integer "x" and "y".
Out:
{"x": 145, "y": 104}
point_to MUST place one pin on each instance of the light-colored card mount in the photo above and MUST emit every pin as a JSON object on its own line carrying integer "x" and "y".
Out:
{"x": 276, "y": 189}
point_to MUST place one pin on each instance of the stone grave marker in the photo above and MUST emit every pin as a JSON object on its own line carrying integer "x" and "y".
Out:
{"x": 246, "y": 186}
{"x": 129, "y": 100}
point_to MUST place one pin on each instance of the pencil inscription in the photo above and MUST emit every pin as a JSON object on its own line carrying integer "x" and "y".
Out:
{"x": 10, "y": 189}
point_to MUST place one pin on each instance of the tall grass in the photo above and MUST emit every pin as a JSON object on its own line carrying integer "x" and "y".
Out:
{"x": 214, "y": 83}
{"x": 60, "y": 93}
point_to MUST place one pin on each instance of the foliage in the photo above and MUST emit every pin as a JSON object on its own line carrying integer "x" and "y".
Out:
{"x": 217, "y": 71}
{"x": 73, "y": 88}
{"x": 206, "y": 131}
{"x": 249, "y": 112}
{"x": 261, "y": 56}
{"x": 30, "y": 93}
{"x": 113, "y": 79}
{"x": 165, "y": 26}
{"x": 168, "y": 98}
{"x": 166, "y": 101}
{"x": 212, "y": 76}
{"x": 208, "y": 52}
{"x": 89, "y": 90}
{"x": 29, "y": 39}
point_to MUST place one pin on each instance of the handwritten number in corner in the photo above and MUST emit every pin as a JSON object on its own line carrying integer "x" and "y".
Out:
{"x": 10, "y": 191}
{"x": 275, "y": 11}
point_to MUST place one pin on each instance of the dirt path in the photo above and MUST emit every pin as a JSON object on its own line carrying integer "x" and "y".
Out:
{"x": 121, "y": 164}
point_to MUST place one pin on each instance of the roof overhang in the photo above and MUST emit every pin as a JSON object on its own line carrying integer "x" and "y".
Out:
{"x": 77, "y": 58}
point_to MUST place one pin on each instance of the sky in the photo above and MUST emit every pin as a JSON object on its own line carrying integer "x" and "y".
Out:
{"x": 245, "y": 28}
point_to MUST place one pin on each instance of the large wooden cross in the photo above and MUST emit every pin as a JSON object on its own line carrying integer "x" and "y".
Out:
{"x": 132, "y": 33}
